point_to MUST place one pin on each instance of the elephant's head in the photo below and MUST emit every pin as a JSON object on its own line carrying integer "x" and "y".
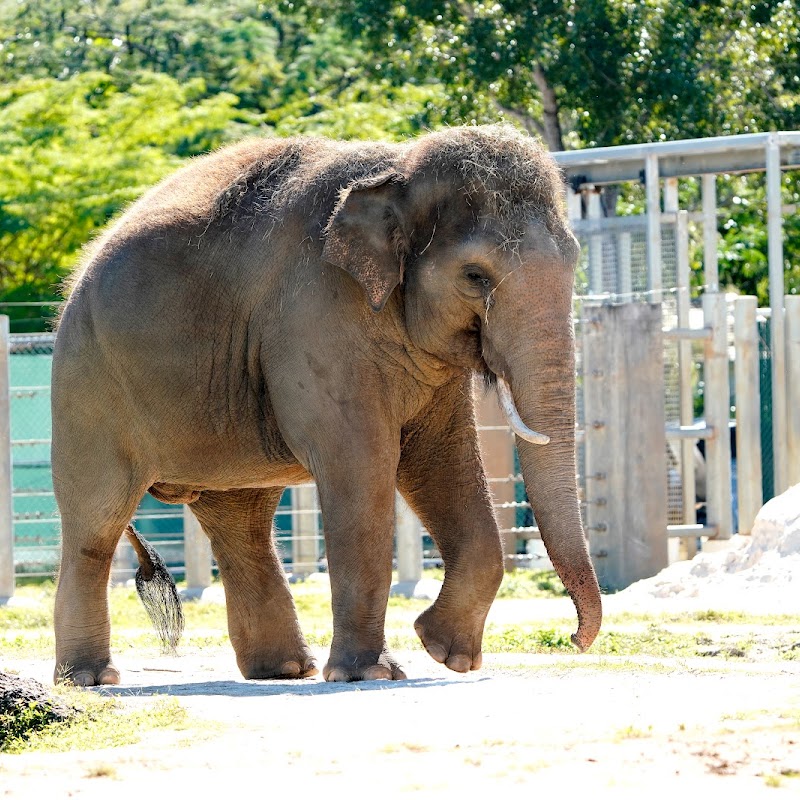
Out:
{"x": 469, "y": 223}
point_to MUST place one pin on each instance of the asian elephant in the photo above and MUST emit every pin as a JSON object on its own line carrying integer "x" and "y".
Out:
{"x": 287, "y": 310}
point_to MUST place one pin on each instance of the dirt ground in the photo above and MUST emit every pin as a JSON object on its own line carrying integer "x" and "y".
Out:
{"x": 607, "y": 725}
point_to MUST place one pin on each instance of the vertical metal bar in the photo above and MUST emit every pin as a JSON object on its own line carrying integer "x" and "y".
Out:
{"x": 748, "y": 412}
{"x": 6, "y": 508}
{"x": 777, "y": 325}
{"x": 595, "y": 246}
{"x": 625, "y": 265}
{"x": 685, "y": 374}
{"x": 196, "y": 554}
{"x": 710, "y": 236}
{"x": 654, "y": 282}
{"x": 717, "y": 401}
{"x": 670, "y": 194}
{"x": 793, "y": 386}
{"x": 408, "y": 532}
{"x": 574, "y": 204}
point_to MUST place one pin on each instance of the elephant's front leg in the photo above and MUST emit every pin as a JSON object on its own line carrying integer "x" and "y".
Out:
{"x": 441, "y": 476}
{"x": 357, "y": 500}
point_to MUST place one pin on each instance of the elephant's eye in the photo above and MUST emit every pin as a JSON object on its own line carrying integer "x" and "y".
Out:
{"x": 476, "y": 276}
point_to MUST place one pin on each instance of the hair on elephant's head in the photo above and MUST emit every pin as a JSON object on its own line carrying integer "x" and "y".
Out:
{"x": 469, "y": 223}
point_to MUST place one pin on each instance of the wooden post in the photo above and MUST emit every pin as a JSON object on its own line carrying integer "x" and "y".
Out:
{"x": 625, "y": 442}
{"x": 197, "y": 554}
{"x": 497, "y": 449}
{"x": 792, "y": 303}
{"x": 6, "y": 498}
{"x": 305, "y": 531}
{"x": 717, "y": 405}
{"x": 748, "y": 412}
{"x": 408, "y": 532}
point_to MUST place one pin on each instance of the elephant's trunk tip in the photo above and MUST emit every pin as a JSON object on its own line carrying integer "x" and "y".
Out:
{"x": 584, "y": 637}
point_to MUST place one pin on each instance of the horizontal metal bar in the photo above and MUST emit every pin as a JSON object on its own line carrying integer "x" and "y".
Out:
{"x": 684, "y": 157}
{"x": 28, "y": 442}
{"x": 523, "y": 533}
{"x": 679, "y": 531}
{"x": 690, "y": 432}
{"x": 697, "y": 334}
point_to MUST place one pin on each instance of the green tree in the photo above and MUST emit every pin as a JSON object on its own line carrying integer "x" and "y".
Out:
{"x": 72, "y": 153}
{"x": 594, "y": 74}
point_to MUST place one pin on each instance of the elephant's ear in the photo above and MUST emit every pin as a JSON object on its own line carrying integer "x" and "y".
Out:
{"x": 365, "y": 235}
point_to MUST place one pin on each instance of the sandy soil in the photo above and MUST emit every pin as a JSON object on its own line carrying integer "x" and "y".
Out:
{"x": 610, "y": 726}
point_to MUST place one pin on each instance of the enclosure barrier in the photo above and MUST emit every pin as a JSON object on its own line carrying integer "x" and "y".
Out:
{"x": 624, "y": 261}
{"x": 6, "y": 491}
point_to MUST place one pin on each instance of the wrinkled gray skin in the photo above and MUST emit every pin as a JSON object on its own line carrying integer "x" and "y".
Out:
{"x": 282, "y": 311}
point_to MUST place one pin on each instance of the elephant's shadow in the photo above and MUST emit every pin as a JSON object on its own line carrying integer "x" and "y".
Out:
{"x": 304, "y": 688}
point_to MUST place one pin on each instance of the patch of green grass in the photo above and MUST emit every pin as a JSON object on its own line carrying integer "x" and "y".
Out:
{"x": 102, "y": 723}
{"x": 654, "y": 641}
{"x": 525, "y": 584}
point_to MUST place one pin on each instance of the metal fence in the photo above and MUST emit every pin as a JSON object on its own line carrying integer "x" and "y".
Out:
{"x": 623, "y": 260}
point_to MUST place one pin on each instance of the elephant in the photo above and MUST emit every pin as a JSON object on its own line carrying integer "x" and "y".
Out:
{"x": 290, "y": 310}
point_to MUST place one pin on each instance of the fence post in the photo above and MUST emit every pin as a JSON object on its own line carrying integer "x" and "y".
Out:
{"x": 595, "y": 212}
{"x": 626, "y": 490}
{"x": 653, "y": 193}
{"x": 748, "y": 412}
{"x": 6, "y": 508}
{"x": 408, "y": 532}
{"x": 717, "y": 405}
{"x": 305, "y": 552}
{"x": 196, "y": 554}
{"x": 497, "y": 449}
{"x": 792, "y": 303}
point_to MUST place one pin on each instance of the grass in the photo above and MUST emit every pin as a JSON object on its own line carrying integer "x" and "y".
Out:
{"x": 100, "y": 723}
{"x": 26, "y": 630}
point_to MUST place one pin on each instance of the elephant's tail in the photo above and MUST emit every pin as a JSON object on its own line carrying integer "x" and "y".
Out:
{"x": 157, "y": 591}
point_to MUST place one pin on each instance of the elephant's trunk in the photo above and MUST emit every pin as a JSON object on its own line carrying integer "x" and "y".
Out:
{"x": 541, "y": 372}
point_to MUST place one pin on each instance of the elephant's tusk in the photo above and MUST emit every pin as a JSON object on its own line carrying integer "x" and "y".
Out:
{"x": 514, "y": 419}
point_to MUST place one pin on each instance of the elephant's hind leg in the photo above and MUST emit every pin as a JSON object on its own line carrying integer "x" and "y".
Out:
{"x": 262, "y": 621}
{"x": 94, "y": 514}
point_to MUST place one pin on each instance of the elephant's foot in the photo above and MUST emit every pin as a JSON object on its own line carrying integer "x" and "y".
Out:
{"x": 104, "y": 674}
{"x": 344, "y": 667}
{"x": 456, "y": 644}
{"x": 296, "y": 662}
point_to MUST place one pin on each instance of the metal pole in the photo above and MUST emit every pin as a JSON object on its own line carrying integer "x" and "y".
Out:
{"x": 793, "y": 386}
{"x": 654, "y": 282}
{"x": 625, "y": 262}
{"x": 595, "y": 246}
{"x": 777, "y": 326}
{"x": 748, "y": 412}
{"x": 574, "y": 204}
{"x": 710, "y": 236}
{"x": 717, "y": 403}
{"x": 685, "y": 375}
{"x": 6, "y": 500}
